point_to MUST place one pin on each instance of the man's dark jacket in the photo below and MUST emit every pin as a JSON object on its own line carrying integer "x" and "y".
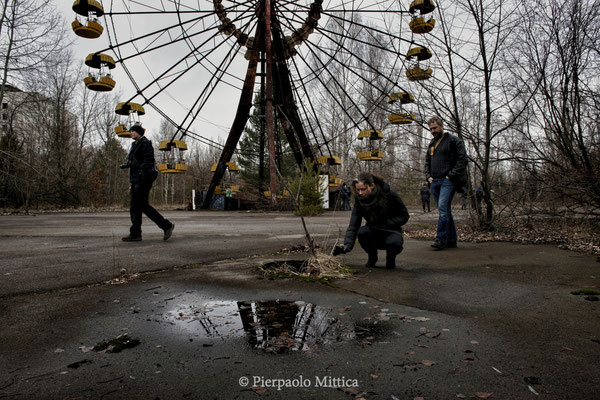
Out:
{"x": 396, "y": 216}
{"x": 449, "y": 159}
{"x": 141, "y": 161}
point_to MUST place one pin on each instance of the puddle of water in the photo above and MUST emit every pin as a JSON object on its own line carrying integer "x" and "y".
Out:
{"x": 273, "y": 326}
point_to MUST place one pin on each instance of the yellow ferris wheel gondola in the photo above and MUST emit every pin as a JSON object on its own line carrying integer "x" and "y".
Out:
{"x": 327, "y": 164}
{"x": 422, "y": 6}
{"x": 101, "y": 80}
{"x": 231, "y": 166}
{"x": 401, "y": 118}
{"x": 418, "y": 24}
{"x": 370, "y": 149}
{"x": 416, "y": 72}
{"x": 131, "y": 112}
{"x": 91, "y": 10}
{"x": 172, "y": 160}
{"x": 329, "y": 160}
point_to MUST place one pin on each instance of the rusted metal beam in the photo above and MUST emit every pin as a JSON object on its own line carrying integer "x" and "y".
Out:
{"x": 296, "y": 134}
{"x": 269, "y": 103}
{"x": 239, "y": 123}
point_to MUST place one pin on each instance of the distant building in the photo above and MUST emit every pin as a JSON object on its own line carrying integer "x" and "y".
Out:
{"x": 12, "y": 97}
{"x": 31, "y": 112}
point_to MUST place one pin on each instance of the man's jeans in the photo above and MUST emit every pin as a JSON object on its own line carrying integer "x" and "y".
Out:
{"x": 443, "y": 192}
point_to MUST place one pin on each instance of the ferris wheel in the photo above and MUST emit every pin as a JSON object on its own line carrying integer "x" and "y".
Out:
{"x": 200, "y": 63}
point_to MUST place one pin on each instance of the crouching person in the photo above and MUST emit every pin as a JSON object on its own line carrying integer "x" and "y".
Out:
{"x": 384, "y": 213}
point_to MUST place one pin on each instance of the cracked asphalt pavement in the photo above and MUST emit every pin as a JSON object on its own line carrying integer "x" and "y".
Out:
{"x": 486, "y": 320}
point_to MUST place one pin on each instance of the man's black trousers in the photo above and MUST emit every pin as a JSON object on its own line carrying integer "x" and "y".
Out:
{"x": 139, "y": 204}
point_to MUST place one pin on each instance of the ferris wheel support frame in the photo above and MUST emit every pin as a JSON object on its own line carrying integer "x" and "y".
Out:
{"x": 274, "y": 56}
{"x": 237, "y": 127}
{"x": 269, "y": 103}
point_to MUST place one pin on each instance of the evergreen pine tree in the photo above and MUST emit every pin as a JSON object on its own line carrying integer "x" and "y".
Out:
{"x": 249, "y": 151}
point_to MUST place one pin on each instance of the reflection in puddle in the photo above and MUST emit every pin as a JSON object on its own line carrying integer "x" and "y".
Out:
{"x": 273, "y": 326}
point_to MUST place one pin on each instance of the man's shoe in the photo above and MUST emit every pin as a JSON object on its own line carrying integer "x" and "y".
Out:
{"x": 438, "y": 245}
{"x": 371, "y": 262}
{"x": 131, "y": 238}
{"x": 450, "y": 245}
{"x": 168, "y": 232}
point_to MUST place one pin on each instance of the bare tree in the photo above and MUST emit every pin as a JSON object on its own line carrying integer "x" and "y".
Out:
{"x": 558, "y": 61}
{"x": 31, "y": 31}
{"x": 469, "y": 90}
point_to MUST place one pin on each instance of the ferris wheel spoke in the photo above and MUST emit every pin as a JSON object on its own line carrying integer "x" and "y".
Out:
{"x": 370, "y": 28}
{"x": 326, "y": 87}
{"x": 306, "y": 112}
{"x": 308, "y": 99}
{"x": 156, "y": 80}
{"x": 180, "y": 74}
{"x": 210, "y": 86}
{"x": 360, "y": 76}
{"x": 147, "y": 35}
{"x": 312, "y": 113}
{"x": 344, "y": 91}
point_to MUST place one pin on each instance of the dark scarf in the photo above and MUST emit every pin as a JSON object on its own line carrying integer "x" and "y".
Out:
{"x": 375, "y": 206}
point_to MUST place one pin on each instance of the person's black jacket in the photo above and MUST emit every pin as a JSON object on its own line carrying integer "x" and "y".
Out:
{"x": 449, "y": 159}
{"x": 397, "y": 215}
{"x": 141, "y": 161}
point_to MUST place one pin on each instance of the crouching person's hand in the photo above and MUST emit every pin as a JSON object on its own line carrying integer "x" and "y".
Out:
{"x": 339, "y": 249}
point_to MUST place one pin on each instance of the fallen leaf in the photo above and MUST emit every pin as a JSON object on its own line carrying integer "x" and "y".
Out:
{"x": 421, "y": 319}
{"x": 483, "y": 395}
{"x": 428, "y": 363}
{"x": 474, "y": 342}
{"x": 259, "y": 390}
{"x": 349, "y": 390}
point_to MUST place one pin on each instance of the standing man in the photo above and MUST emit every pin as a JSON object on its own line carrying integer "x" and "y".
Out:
{"x": 425, "y": 195}
{"x": 445, "y": 165}
{"x": 142, "y": 173}
{"x": 345, "y": 195}
{"x": 228, "y": 196}
{"x": 384, "y": 213}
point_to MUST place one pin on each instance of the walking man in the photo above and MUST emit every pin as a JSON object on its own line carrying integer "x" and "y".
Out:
{"x": 445, "y": 165}
{"x": 384, "y": 213}
{"x": 142, "y": 174}
{"x": 425, "y": 195}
